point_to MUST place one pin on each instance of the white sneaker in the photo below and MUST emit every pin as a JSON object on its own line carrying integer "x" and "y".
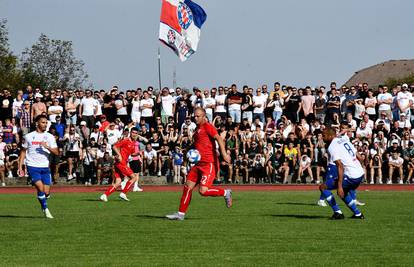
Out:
{"x": 389, "y": 182}
{"x": 359, "y": 203}
{"x": 3, "y": 184}
{"x": 70, "y": 177}
{"x": 401, "y": 182}
{"x": 10, "y": 175}
{"x": 380, "y": 181}
{"x": 322, "y": 203}
{"x": 74, "y": 175}
{"x": 159, "y": 174}
{"x": 137, "y": 189}
{"x": 122, "y": 196}
{"x": 47, "y": 213}
{"x": 372, "y": 182}
{"x": 176, "y": 216}
{"x": 103, "y": 198}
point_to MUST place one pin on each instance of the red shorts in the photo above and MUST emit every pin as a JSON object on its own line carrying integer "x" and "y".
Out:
{"x": 203, "y": 173}
{"x": 122, "y": 170}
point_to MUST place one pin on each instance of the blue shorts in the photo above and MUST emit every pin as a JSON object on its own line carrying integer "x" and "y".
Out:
{"x": 331, "y": 172}
{"x": 347, "y": 184}
{"x": 40, "y": 174}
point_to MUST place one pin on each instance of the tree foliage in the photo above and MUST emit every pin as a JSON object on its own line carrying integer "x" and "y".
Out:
{"x": 391, "y": 83}
{"x": 51, "y": 64}
{"x": 10, "y": 76}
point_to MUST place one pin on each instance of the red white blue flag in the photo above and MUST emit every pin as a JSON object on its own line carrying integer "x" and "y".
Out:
{"x": 180, "y": 25}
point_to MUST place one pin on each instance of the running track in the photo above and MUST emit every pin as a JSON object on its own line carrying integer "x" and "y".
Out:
{"x": 177, "y": 188}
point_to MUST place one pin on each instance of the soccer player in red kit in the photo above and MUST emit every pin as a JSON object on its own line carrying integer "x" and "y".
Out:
{"x": 204, "y": 172}
{"x": 123, "y": 149}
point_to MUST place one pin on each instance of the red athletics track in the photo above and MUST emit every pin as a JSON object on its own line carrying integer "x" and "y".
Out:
{"x": 177, "y": 188}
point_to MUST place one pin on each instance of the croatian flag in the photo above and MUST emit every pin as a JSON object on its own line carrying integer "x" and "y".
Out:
{"x": 180, "y": 25}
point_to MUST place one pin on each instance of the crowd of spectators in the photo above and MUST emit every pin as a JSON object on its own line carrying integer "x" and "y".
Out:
{"x": 273, "y": 135}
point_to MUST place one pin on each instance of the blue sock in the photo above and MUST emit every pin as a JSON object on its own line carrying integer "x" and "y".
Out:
{"x": 42, "y": 199}
{"x": 331, "y": 200}
{"x": 350, "y": 202}
{"x": 352, "y": 193}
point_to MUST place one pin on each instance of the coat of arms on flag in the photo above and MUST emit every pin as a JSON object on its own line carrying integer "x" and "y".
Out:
{"x": 180, "y": 25}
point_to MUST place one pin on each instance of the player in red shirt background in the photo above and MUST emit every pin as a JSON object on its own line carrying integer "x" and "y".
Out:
{"x": 123, "y": 149}
{"x": 204, "y": 172}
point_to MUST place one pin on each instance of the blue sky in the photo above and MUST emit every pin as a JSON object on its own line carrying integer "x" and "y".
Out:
{"x": 243, "y": 42}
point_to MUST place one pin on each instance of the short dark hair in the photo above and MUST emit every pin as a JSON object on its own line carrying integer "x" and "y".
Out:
{"x": 41, "y": 116}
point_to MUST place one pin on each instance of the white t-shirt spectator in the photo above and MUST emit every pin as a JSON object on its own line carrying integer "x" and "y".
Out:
{"x": 150, "y": 155}
{"x": 113, "y": 136}
{"x": 259, "y": 100}
{"x": 404, "y": 98}
{"x": 220, "y": 101}
{"x": 121, "y": 109}
{"x": 209, "y": 101}
{"x": 135, "y": 112}
{"x": 88, "y": 106}
{"x": 98, "y": 107}
{"x": 397, "y": 161}
{"x": 404, "y": 124}
{"x": 363, "y": 132}
{"x": 167, "y": 103}
{"x": 52, "y": 117}
{"x": 383, "y": 97}
{"x": 146, "y": 112}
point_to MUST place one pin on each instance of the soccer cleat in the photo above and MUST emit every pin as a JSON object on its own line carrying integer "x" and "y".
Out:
{"x": 175, "y": 216}
{"x": 322, "y": 203}
{"x": 103, "y": 198}
{"x": 228, "y": 198}
{"x": 359, "y": 203}
{"x": 360, "y": 216}
{"x": 137, "y": 189}
{"x": 124, "y": 197}
{"x": 337, "y": 216}
{"x": 47, "y": 213}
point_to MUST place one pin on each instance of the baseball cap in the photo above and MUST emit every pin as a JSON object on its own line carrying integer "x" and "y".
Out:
{"x": 83, "y": 123}
{"x": 394, "y": 142}
{"x": 38, "y": 95}
{"x": 405, "y": 85}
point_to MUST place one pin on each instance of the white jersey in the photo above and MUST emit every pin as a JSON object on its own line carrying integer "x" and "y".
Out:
{"x": 341, "y": 149}
{"x": 37, "y": 155}
{"x": 346, "y": 138}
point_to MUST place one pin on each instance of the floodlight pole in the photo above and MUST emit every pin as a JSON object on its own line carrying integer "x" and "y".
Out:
{"x": 159, "y": 69}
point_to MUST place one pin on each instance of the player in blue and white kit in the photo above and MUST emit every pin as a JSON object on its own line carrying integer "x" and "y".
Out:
{"x": 331, "y": 174}
{"x": 350, "y": 173}
{"x": 37, "y": 146}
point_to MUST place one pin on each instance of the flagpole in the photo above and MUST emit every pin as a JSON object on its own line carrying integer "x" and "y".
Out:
{"x": 159, "y": 69}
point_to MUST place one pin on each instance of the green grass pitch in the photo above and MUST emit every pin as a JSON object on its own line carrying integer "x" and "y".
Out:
{"x": 261, "y": 229}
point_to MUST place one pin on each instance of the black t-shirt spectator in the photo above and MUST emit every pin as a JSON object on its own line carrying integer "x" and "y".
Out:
{"x": 293, "y": 104}
{"x": 13, "y": 154}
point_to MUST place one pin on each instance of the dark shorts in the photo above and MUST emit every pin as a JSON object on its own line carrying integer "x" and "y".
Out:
{"x": 135, "y": 166}
{"x": 72, "y": 154}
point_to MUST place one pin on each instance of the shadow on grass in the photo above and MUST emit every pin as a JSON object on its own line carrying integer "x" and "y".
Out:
{"x": 90, "y": 200}
{"x": 157, "y": 217}
{"x": 21, "y": 217}
{"x": 296, "y": 203}
{"x": 298, "y": 216}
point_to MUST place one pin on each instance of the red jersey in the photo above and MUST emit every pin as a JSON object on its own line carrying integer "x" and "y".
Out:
{"x": 126, "y": 147}
{"x": 205, "y": 143}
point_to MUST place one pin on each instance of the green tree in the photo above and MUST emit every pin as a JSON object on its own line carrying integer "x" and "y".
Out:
{"x": 10, "y": 76}
{"x": 51, "y": 64}
{"x": 391, "y": 83}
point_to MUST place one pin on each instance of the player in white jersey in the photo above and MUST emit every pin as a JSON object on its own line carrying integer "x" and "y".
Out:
{"x": 350, "y": 172}
{"x": 35, "y": 152}
{"x": 331, "y": 174}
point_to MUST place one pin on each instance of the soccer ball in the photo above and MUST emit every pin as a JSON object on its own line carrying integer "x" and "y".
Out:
{"x": 193, "y": 156}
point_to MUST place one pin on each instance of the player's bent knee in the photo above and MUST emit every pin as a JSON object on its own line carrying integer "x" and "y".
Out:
{"x": 203, "y": 190}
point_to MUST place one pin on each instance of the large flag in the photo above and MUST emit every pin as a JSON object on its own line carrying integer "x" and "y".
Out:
{"x": 180, "y": 25}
